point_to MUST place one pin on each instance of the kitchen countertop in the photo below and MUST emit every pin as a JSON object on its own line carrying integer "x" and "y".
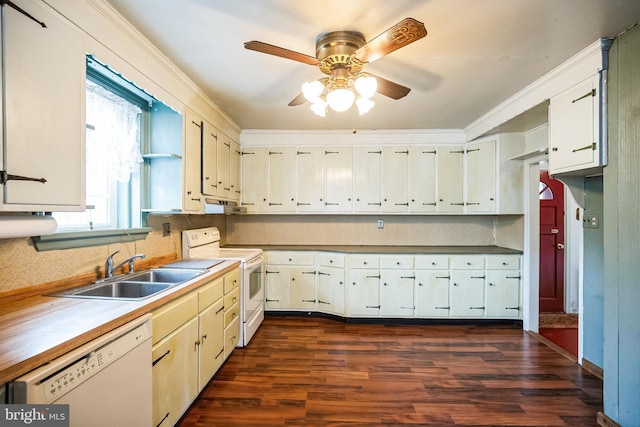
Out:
{"x": 37, "y": 329}
{"x": 379, "y": 249}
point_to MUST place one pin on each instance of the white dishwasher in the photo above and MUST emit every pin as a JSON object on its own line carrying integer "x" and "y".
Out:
{"x": 106, "y": 382}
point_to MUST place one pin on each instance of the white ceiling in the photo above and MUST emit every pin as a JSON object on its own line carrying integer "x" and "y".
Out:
{"x": 477, "y": 52}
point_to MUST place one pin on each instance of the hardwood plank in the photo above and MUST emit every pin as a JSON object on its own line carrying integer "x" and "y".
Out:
{"x": 322, "y": 372}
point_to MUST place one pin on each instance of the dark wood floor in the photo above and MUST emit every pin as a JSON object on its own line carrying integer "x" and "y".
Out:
{"x": 303, "y": 371}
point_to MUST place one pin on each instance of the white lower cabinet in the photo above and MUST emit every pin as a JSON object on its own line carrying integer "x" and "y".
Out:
{"x": 189, "y": 341}
{"x": 330, "y": 286}
{"x": 395, "y": 286}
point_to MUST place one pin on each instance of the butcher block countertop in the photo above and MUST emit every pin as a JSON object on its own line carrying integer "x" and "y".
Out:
{"x": 391, "y": 250}
{"x": 38, "y": 328}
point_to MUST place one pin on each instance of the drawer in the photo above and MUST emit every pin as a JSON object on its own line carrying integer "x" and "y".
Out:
{"x": 210, "y": 293}
{"x": 231, "y": 298}
{"x": 291, "y": 258}
{"x": 331, "y": 260}
{"x": 364, "y": 261}
{"x": 231, "y": 337}
{"x": 396, "y": 261}
{"x": 231, "y": 281}
{"x": 503, "y": 262}
{"x": 171, "y": 316}
{"x": 467, "y": 262}
{"x": 432, "y": 262}
{"x": 230, "y": 314}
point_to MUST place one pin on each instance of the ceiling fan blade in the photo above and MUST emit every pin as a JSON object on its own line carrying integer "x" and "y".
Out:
{"x": 281, "y": 52}
{"x": 403, "y": 33}
{"x": 391, "y": 89}
{"x": 298, "y": 100}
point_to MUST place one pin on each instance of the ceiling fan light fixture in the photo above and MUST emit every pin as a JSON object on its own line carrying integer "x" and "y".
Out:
{"x": 364, "y": 105}
{"x": 366, "y": 85}
{"x": 312, "y": 90}
{"x": 340, "y": 99}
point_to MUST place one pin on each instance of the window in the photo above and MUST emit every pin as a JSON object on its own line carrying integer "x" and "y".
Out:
{"x": 115, "y": 128}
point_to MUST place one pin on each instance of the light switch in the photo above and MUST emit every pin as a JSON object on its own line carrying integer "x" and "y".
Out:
{"x": 590, "y": 220}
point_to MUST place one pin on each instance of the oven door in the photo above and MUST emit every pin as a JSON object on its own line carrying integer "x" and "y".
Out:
{"x": 253, "y": 292}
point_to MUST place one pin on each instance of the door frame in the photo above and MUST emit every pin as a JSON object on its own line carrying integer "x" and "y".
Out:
{"x": 531, "y": 268}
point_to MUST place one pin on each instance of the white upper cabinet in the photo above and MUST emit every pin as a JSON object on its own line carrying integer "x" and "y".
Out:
{"x": 234, "y": 170}
{"x": 311, "y": 179}
{"x": 480, "y": 188}
{"x": 43, "y": 117}
{"x": 192, "y": 196}
{"x": 450, "y": 179}
{"x": 393, "y": 179}
{"x": 366, "y": 178}
{"x": 339, "y": 179}
{"x": 421, "y": 187}
{"x": 209, "y": 159}
{"x": 282, "y": 179}
{"x": 574, "y": 128}
{"x": 223, "y": 173}
{"x": 255, "y": 179}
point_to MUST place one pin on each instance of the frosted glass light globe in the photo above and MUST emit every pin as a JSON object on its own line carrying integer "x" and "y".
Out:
{"x": 312, "y": 90}
{"x": 340, "y": 99}
{"x": 366, "y": 86}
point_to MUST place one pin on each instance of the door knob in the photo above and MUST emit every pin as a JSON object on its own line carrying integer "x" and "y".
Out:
{"x": 560, "y": 246}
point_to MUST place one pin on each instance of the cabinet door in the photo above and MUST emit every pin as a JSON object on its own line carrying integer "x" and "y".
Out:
{"x": 43, "y": 99}
{"x": 303, "y": 288}
{"x": 175, "y": 373}
{"x": 331, "y": 290}
{"x": 449, "y": 161}
{"x": 211, "y": 337}
{"x": 366, "y": 178}
{"x": 503, "y": 293}
{"x": 282, "y": 179}
{"x": 574, "y": 131}
{"x": 393, "y": 179}
{"x": 363, "y": 293}
{"x": 311, "y": 172}
{"x": 422, "y": 179}
{"x": 209, "y": 159}
{"x": 481, "y": 177}
{"x": 432, "y": 293}
{"x": 222, "y": 174}
{"x": 234, "y": 170}
{"x": 191, "y": 162}
{"x": 339, "y": 179}
{"x": 396, "y": 293}
{"x": 255, "y": 179}
{"x": 231, "y": 337}
{"x": 277, "y": 287}
{"x": 467, "y": 293}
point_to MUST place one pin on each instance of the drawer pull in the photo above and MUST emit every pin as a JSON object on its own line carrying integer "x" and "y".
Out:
{"x": 372, "y": 306}
{"x": 221, "y": 309}
{"x": 160, "y": 358}
{"x": 476, "y": 308}
{"x": 514, "y": 277}
{"x": 272, "y": 300}
{"x": 512, "y": 308}
{"x": 591, "y": 146}
{"x": 373, "y": 277}
{"x": 220, "y": 354}
{"x": 478, "y": 277}
{"x": 443, "y": 308}
{"x": 163, "y": 418}
{"x": 408, "y": 277}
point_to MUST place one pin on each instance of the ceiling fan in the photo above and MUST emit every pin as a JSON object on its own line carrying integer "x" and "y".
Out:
{"x": 342, "y": 55}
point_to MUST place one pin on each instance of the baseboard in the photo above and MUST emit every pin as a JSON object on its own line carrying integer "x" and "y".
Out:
{"x": 593, "y": 368}
{"x": 553, "y": 346}
{"x": 604, "y": 421}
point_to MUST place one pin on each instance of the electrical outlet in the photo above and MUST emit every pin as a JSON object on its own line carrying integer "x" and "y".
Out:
{"x": 381, "y": 223}
{"x": 166, "y": 229}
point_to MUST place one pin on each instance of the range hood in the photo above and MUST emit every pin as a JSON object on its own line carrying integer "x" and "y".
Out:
{"x": 216, "y": 206}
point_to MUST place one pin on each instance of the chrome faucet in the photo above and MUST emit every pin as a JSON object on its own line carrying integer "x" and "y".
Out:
{"x": 109, "y": 269}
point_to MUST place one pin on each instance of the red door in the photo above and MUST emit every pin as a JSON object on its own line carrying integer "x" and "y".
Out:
{"x": 551, "y": 244}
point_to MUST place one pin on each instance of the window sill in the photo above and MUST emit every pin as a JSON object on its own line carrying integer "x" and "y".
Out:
{"x": 80, "y": 239}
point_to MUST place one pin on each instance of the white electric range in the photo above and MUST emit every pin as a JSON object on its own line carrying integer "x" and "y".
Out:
{"x": 203, "y": 244}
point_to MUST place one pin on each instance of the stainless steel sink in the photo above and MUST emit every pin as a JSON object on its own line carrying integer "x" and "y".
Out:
{"x": 133, "y": 286}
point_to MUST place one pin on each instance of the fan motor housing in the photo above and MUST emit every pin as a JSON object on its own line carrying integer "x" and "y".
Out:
{"x": 335, "y": 49}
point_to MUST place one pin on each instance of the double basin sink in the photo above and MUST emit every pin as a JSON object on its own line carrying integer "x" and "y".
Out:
{"x": 133, "y": 286}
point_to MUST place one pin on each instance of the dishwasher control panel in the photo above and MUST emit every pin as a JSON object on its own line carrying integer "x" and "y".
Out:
{"x": 53, "y": 380}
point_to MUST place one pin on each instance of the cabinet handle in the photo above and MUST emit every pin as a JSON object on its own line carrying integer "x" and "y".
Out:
{"x": 373, "y": 277}
{"x": 429, "y": 152}
{"x": 429, "y": 204}
{"x": 272, "y": 300}
{"x": 195, "y": 199}
{"x": 514, "y": 277}
{"x": 586, "y": 95}
{"x": 163, "y": 418}
{"x": 457, "y": 204}
{"x": 309, "y": 272}
{"x": 512, "y": 308}
{"x": 323, "y": 274}
{"x": 197, "y": 124}
{"x": 160, "y": 358}
{"x": 219, "y": 354}
{"x": 331, "y": 152}
{"x": 408, "y": 277}
{"x": 221, "y": 309}
{"x": 384, "y": 284}
{"x": 472, "y": 150}
{"x": 476, "y": 308}
{"x": 372, "y": 306}
{"x": 374, "y": 152}
{"x": 331, "y": 204}
{"x": 247, "y": 204}
{"x": 375, "y": 204}
{"x": 402, "y": 204}
{"x": 408, "y": 308}
{"x": 443, "y": 308}
{"x": 4, "y": 177}
{"x": 443, "y": 277}
{"x": 275, "y": 204}
{"x": 402, "y": 152}
{"x": 308, "y": 300}
{"x": 227, "y": 144}
{"x": 591, "y": 146}
{"x": 478, "y": 277}
{"x": 24, "y": 12}
{"x": 303, "y": 204}
{"x": 303, "y": 152}
{"x": 323, "y": 302}
{"x": 204, "y": 337}
{"x": 197, "y": 343}
{"x": 472, "y": 203}
{"x": 457, "y": 152}
{"x": 275, "y": 152}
